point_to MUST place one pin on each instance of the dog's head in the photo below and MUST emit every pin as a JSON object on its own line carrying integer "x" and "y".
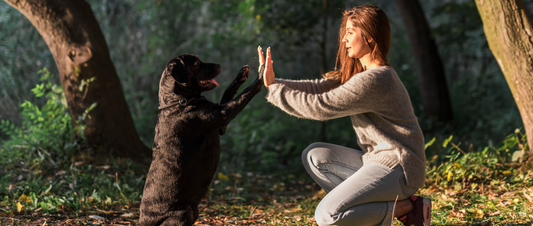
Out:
{"x": 191, "y": 73}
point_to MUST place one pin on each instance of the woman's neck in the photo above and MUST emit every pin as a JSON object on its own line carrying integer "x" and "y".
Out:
{"x": 369, "y": 63}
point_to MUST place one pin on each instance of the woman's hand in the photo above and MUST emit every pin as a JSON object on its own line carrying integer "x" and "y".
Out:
{"x": 269, "y": 76}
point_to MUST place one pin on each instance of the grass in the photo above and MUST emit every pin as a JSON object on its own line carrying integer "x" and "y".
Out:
{"x": 489, "y": 186}
{"x": 467, "y": 188}
{"x": 112, "y": 190}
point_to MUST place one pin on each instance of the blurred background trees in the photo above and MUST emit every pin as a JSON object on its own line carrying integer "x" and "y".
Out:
{"x": 431, "y": 74}
{"x": 143, "y": 35}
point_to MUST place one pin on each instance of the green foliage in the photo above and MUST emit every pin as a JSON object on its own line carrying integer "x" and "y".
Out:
{"x": 298, "y": 24}
{"x": 75, "y": 186}
{"x": 45, "y": 130}
{"x": 490, "y": 185}
{"x": 480, "y": 166}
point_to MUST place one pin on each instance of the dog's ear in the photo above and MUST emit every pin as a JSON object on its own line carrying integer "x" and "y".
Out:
{"x": 176, "y": 68}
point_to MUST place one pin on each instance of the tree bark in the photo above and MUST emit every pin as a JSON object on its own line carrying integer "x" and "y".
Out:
{"x": 509, "y": 33}
{"x": 80, "y": 51}
{"x": 429, "y": 66}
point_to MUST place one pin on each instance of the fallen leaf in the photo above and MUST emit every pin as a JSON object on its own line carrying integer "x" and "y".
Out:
{"x": 222, "y": 176}
{"x": 96, "y": 217}
{"x": 19, "y": 207}
{"x": 127, "y": 215}
{"x": 528, "y": 197}
{"x": 103, "y": 167}
{"x": 478, "y": 213}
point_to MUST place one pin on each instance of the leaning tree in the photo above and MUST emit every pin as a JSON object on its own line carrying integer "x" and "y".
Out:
{"x": 87, "y": 74}
{"x": 509, "y": 33}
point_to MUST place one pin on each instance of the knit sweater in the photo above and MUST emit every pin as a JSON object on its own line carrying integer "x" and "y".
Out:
{"x": 379, "y": 107}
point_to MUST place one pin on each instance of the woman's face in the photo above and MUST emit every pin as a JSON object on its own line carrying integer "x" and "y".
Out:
{"x": 355, "y": 44}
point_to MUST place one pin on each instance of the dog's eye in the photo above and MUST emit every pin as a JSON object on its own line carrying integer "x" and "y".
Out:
{"x": 195, "y": 63}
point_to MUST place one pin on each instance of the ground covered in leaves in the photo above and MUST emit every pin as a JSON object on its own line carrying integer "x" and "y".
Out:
{"x": 492, "y": 186}
{"x": 234, "y": 199}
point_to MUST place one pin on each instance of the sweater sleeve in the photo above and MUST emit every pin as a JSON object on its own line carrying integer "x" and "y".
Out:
{"x": 358, "y": 95}
{"x": 316, "y": 86}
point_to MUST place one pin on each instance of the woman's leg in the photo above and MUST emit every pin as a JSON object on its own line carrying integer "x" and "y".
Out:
{"x": 330, "y": 164}
{"x": 366, "y": 197}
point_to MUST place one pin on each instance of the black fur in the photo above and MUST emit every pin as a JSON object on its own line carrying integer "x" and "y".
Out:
{"x": 186, "y": 146}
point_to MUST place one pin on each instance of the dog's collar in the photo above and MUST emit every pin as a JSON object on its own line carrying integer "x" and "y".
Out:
{"x": 181, "y": 101}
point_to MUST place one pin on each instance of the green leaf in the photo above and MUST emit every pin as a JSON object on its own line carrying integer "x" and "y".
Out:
{"x": 429, "y": 143}
{"x": 43, "y": 205}
{"x": 90, "y": 108}
{"x": 108, "y": 201}
{"x": 445, "y": 143}
{"x": 47, "y": 190}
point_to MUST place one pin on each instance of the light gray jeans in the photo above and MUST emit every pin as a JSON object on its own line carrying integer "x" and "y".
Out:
{"x": 357, "y": 194}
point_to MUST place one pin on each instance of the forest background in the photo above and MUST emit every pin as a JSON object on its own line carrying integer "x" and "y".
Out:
{"x": 143, "y": 35}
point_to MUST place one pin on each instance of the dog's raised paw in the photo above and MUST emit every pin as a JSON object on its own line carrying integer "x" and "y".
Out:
{"x": 243, "y": 74}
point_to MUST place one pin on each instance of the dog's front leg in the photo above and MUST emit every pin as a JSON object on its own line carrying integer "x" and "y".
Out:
{"x": 233, "y": 88}
{"x": 232, "y": 108}
{"x": 220, "y": 115}
{"x": 230, "y": 92}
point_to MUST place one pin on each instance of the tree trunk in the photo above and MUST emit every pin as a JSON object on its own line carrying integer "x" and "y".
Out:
{"x": 428, "y": 63}
{"x": 87, "y": 73}
{"x": 509, "y": 33}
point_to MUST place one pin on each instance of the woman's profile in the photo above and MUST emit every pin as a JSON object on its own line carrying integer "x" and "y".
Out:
{"x": 373, "y": 185}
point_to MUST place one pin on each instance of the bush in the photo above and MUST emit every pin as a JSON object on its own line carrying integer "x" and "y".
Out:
{"x": 46, "y": 134}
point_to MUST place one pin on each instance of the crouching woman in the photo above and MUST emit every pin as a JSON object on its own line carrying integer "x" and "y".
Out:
{"x": 373, "y": 185}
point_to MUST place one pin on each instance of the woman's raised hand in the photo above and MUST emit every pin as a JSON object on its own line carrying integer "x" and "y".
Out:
{"x": 269, "y": 76}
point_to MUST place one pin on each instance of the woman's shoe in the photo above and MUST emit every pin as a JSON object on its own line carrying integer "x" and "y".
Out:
{"x": 421, "y": 213}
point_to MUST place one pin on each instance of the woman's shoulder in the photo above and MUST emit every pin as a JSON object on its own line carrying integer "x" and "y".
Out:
{"x": 384, "y": 70}
{"x": 377, "y": 74}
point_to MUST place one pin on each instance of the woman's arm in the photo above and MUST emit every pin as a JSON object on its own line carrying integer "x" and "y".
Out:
{"x": 316, "y": 86}
{"x": 364, "y": 92}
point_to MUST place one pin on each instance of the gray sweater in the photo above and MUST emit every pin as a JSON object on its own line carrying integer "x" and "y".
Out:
{"x": 379, "y": 107}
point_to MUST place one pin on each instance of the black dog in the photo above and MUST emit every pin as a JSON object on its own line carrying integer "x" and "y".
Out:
{"x": 186, "y": 146}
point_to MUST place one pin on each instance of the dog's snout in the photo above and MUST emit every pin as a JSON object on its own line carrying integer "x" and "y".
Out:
{"x": 218, "y": 68}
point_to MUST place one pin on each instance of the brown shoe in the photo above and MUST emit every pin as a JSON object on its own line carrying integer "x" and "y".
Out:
{"x": 421, "y": 213}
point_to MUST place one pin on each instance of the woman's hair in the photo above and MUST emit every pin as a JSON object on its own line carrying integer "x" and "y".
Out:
{"x": 374, "y": 24}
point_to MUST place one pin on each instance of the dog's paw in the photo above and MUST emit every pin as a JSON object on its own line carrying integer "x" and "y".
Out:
{"x": 243, "y": 74}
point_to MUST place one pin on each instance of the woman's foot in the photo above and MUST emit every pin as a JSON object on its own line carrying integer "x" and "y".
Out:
{"x": 403, "y": 207}
{"x": 420, "y": 214}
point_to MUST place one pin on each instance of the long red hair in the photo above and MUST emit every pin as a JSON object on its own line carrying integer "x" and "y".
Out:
{"x": 374, "y": 24}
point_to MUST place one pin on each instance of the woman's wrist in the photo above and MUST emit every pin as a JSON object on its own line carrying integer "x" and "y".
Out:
{"x": 268, "y": 86}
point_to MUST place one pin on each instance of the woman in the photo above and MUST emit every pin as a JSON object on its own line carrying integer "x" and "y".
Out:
{"x": 371, "y": 186}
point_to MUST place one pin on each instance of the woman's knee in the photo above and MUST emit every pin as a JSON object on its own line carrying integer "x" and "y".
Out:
{"x": 311, "y": 154}
{"x": 323, "y": 217}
